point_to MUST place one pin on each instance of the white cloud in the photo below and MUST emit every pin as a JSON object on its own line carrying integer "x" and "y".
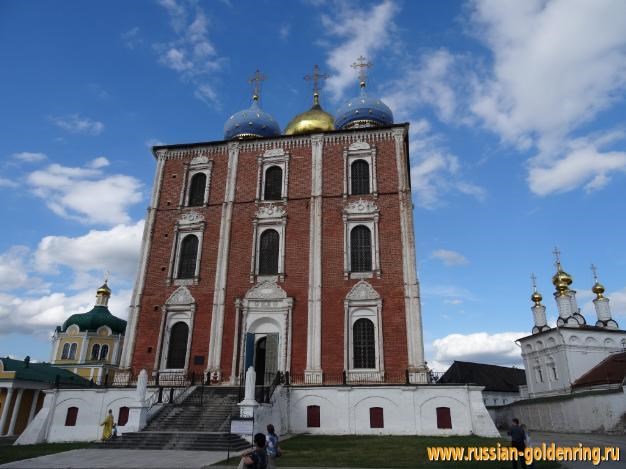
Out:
{"x": 115, "y": 250}
{"x": 29, "y": 157}
{"x": 86, "y": 194}
{"x": 284, "y": 31}
{"x": 7, "y": 183}
{"x": 191, "y": 53}
{"x": 583, "y": 164}
{"x": 481, "y": 347}
{"x": 13, "y": 268}
{"x": 78, "y": 125}
{"x": 154, "y": 142}
{"x": 131, "y": 38}
{"x": 362, "y": 32}
{"x": 449, "y": 257}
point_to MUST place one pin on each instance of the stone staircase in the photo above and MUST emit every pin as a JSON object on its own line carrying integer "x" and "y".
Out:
{"x": 201, "y": 423}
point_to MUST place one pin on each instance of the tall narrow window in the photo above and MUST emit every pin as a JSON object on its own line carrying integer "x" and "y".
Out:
{"x": 66, "y": 352}
{"x": 313, "y": 416}
{"x": 70, "y": 417}
{"x": 95, "y": 352}
{"x": 376, "y": 417}
{"x": 360, "y": 177}
{"x": 196, "y": 189}
{"x": 122, "y": 417}
{"x": 188, "y": 257}
{"x": 73, "y": 351}
{"x": 177, "y": 351}
{"x": 104, "y": 351}
{"x": 268, "y": 253}
{"x": 444, "y": 420}
{"x": 364, "y": 344}
{"x": 361, "y": 249}
{"x": 273, "y": 183}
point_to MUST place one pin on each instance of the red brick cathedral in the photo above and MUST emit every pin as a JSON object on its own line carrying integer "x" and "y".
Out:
{"x": 287, "y": 251}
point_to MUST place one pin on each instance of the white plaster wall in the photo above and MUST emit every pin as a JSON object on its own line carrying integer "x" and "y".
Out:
{"x": 577, "y": 413}
{"x": 497, "y": 398}
{"x": 407, "y": 410}
{"x": 93, "y": 405}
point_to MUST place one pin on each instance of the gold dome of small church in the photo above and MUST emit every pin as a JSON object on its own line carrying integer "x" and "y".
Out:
{"x": 313, "y": 120}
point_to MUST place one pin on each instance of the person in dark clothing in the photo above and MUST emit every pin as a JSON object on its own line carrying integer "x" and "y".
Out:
{"x": 518, "y": 441}
{"x": 256, "y": 459}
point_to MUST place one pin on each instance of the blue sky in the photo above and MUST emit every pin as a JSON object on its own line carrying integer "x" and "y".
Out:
{"x": 517, "y": 142}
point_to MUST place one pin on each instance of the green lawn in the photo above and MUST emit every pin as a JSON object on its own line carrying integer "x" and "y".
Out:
{"x": 15, "y": 453}
{"x": 379, "y": 451}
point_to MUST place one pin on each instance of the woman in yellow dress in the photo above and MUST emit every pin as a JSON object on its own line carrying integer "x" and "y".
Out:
{"x": 108, "y": 426}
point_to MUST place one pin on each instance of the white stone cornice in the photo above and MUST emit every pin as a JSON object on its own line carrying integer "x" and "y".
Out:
{"x": 270, "y": 211}
{"x": 359, "y": 145}
{"x": 202, "y": 159}
{"x": 190, "y": 218}
{"x": 361, "y": 207}
{"x": 362, "y": 290}
{"x": 181, "y": 296}
{"x": 266, "y": 290}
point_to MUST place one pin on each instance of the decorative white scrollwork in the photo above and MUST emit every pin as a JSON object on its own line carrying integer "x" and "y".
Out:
{"x": 270, "y": 211}
{"x": 182, "y": 296}
{"x": 361, "y": 206}
{"x": 190, "y": 218}
{"x": 363, "y": 291}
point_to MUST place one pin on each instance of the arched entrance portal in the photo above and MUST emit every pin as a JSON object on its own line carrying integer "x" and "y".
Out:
{"x": 262, "y": 353}
{"x": 259, "y": 360}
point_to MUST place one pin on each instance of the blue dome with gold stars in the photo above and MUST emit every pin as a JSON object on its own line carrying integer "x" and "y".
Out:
{"x": 251, "y": 123}
{"x": 363, "y": 111}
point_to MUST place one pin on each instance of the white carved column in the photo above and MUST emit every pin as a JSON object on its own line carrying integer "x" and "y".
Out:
{"x": 33, "y": 405}
{"x": 415, "y": 344}
{"x": 217, "y": 318}
{"x": 15, "y": 413}
{"x": 5, "y": 410}
{"x": 313, "y": 371}
{"x": 146, "y": 239}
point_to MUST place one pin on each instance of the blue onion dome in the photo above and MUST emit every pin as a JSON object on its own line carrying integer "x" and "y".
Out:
{"x": 251, "y": 123}
{"x": 363, "y": 111}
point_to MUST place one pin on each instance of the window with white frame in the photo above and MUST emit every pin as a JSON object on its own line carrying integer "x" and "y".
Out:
{"x": 359, "y": 161}
{"x": 95, "y": 351}
{"x": 187, "y": 250}
{"x": 363, "y": 332}
{"x": 273, "y": 175}
{"x": 197, "y": 180}
{"x": 268, "y": 248}
{"x": 175, "y": 342}
{"x": 361, "y": 249}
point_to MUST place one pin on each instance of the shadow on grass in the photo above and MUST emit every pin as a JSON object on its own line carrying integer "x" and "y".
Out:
{"x": 380, "y": 452}
{"x": 17, "y": 453}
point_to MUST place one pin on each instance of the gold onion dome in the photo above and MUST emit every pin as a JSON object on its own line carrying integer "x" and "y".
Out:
{"x": 104, "y": 289}
{"x": 561, "y": 277}
{"x": 598, "y": 289}
{"x": 536, "y": 297}
{"x": 313, "y": 120}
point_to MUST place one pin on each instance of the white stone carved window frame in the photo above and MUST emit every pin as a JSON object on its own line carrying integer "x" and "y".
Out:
{"x": 359, "y": 151}
{"x": 274, "y": 157}
{"x": 191, "y": 223}
{"x": 268, "y": 217}
{"x": 179, "y": 307}
{"x": 363, "y": 302}
{"x": 361, "y": 212}
{"x": 200, "y": 164}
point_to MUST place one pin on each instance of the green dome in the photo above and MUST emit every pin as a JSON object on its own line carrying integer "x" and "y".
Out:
{"x": 92, "y": 320}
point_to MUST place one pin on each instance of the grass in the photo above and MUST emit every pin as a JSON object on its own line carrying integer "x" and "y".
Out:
{"x": 16, "y": 453}
{"x": 380, "y": 452}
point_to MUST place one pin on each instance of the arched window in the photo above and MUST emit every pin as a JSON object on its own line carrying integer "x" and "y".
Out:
{"x": 66, "y": 352}
{"x": 95, "y": 352}
{"x": 197, "y": 188}
{"x": 360, "y": 249}
{"x": 177, "y": 352}
{"x": 122, "y": 417}
{"x": 273, "y": 183}
{"x": 364, "y": 344}
{"x": 268, "y": 253}
{"x": 70, "y": 417}
{"x": 104, "y": 351}
{"x": 73, "y": 351}
{"x": 188, "y": 257}
{"x": 444, "y": 420}
{"x": 360, "y": 177}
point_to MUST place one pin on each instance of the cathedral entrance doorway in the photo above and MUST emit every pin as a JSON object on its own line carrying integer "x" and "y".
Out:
{"x": 262, "y": 352}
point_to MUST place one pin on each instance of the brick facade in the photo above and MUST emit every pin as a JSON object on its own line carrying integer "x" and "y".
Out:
{"x": 391, "y": 286}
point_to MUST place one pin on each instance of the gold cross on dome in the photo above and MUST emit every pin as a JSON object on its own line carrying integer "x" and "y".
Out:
{"x": 362, "y": 65}
{"x": 533, "y": 277}
{"x": 594, "y": 269}
{"x": 106, "y": 275}
{"x": 255, "y": 80}
{"x": 557, "y": 256}
{"x": 315, "y": 78}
